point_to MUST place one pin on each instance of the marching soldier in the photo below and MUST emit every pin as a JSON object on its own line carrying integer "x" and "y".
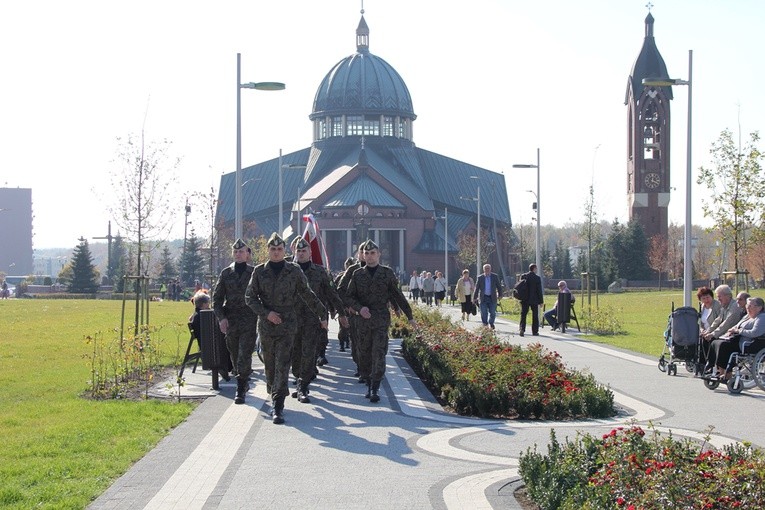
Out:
{"x": 370, "y": 289}
{"x": 342, "y": 290}
{"x": 274, "y": 291}
{"x": 237, "y": 321}
{"x": 344, "y": 336}
{"x": 309, "y": 332}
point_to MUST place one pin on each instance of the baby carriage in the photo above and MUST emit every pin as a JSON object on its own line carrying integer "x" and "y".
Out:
{"x": 681, "y": 341}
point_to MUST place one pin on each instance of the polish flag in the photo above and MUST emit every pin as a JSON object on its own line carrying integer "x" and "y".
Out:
{"x": 313, "y": 236}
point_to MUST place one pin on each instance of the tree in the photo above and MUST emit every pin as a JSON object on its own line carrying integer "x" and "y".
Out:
{"x": 167, "y": 269}
{"x": 466, "y": 244}
{"x": 84, "y": 274}
{"x": 143, "y": 187}
{"x": 192, "y": 262}
{"x": 736, "y": 190}
{"x": 658, "y": 255}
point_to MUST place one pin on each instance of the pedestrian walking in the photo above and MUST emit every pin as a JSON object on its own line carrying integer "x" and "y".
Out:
{"x": 369, "y": 291}
{"x": 487, "y": 294}
{"x": 236, "y": 320}
{"x": 273, "y": 294}
{"x": 309, "y": 331}
{"x": 532, "y": 300}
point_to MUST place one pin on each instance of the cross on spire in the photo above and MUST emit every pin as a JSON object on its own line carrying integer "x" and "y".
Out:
{"x": 649, "y": 5}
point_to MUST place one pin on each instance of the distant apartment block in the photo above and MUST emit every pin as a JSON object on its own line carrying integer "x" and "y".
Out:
{"x": 16, "y": 231}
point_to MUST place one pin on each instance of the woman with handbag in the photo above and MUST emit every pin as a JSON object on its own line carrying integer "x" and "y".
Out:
{"x": 464, "y": 292}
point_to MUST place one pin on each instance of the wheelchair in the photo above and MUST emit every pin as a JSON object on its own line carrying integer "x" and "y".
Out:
{"x": 747, "y": 372}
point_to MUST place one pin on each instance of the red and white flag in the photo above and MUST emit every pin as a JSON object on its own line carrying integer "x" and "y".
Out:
{"x": 313, "y": 236}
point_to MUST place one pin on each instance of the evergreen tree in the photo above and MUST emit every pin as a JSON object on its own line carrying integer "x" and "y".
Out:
{"x": 84, "y": 274}
{"x": 113, "y": 271}
{"x": 192, "y": 262}
{"x": 167, "y": 269}
{"x": 627, "y": 252}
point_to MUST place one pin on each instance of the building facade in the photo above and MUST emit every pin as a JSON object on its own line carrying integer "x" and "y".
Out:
{"x": 364, "y": 177}
{"x": 16, "y": 231}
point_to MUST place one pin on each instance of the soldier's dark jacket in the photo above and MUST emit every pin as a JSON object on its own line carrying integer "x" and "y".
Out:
{"x": 375, "y": 292}
{"x": 322, "y": 286}
{"x": 269, "y": 291}
{"x": 228, "y": 296}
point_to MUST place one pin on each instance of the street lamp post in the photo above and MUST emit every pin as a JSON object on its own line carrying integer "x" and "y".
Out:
{"x": 687, "y": 255}
{"x": 264, "y": 85}
{"x": 538, "y": 240}
{"x": 445, "y": 217}
{"x": 281, "y": 194}
{"x": 477, "y": 199}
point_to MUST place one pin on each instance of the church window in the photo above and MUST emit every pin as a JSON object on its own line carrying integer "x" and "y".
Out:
{"x": 355, "y": 125}
{"x": 337, "y": 126}
{"x": 387, "y": 129}
{"x": 323, "y": 129}
{"x": 372, "y": 125}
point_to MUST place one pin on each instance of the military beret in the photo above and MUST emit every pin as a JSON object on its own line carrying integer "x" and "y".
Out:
{"x": 301, "y": 244}
{"x": 275, "y": 240}
{"x": 370, "y": 245}
{"x": 238, "y": 245}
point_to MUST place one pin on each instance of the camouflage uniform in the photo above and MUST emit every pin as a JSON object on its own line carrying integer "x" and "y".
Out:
{"x": 373, "y": 289}
{"x": 353, "y": 318}
{"x": 229, "y": 303}
{"x": 280, "y": 292}
{"x": 309, "y": 332}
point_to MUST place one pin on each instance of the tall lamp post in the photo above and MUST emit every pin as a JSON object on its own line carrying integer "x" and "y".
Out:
{"x": 281, "y": 194}
{"x": 445, "y": 217}
{"x": 687, "y": 255}
{"x": 263, "y": 85}
{"x": 477, "y": 199}
{"x": 538, "y": 240}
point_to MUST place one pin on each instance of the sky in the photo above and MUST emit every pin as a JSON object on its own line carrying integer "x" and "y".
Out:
{"x": 491, "y": 81}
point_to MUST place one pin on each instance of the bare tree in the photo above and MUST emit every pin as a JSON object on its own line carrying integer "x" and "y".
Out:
{"x": 658, "y": 255}
{"x": 143, "y": 185}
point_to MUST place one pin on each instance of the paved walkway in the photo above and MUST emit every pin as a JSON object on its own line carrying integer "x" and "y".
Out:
{"x": 340, "y": 451}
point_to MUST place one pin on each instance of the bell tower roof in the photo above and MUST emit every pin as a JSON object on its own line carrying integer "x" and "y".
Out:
{"x": 649, "y": 64}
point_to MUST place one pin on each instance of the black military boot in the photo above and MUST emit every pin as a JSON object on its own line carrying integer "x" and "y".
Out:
{"x": 375, "y": 388}
{"x": 241, "y": 390}
{"x": 277, "y": 414}
{"x": 369, "y": 389}
{"x": 322, "y": 359}
{"x": 297, "y": 390}
{"x": 303, "y": 393}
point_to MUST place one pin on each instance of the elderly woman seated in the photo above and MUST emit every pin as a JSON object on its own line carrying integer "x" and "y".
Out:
{"x": 551, "y": 315}
{"x": 746, "y": 336}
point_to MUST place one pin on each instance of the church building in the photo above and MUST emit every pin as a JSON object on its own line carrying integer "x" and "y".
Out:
{"x": 364, "y": 177}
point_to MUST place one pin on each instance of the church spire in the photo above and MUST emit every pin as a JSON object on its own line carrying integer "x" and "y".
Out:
{"x": 362, "y": 34}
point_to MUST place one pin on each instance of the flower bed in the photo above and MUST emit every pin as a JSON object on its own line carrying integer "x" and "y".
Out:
{"x": 627, "y": 469}
{"x": 476, "y": 374}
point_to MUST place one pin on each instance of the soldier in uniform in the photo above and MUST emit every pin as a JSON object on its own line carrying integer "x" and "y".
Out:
{"x": 237, "y": 321}
{"x": 309, "y": 332}
{"x": 369, "y": 291}
{"x": 344, "y": 335}
{"x": 342, "y": 290}
{"x": 273, "y": 294}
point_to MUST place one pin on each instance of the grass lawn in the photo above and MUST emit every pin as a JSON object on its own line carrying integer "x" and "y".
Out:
{"x": 60, "y": 450}
{"x": 643, "y": 316}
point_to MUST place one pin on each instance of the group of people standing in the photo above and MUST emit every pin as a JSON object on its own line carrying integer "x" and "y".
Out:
{"x": 287, "y": 303}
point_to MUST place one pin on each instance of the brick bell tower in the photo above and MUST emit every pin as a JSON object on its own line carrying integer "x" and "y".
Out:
{"x": 648, "y": 123}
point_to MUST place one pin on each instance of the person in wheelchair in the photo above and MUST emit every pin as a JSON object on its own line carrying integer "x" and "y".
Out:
{"x": 746, "y": 336}
{"x": 551, "y": 315}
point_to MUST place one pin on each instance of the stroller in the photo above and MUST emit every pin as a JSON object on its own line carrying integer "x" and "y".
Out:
{"x": 681, "y": 341}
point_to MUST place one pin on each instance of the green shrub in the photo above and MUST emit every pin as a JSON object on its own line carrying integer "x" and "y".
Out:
{"x": 602, "y": 321}
{"x": 628, "y": 469}
{"x": 476, "y": 374}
